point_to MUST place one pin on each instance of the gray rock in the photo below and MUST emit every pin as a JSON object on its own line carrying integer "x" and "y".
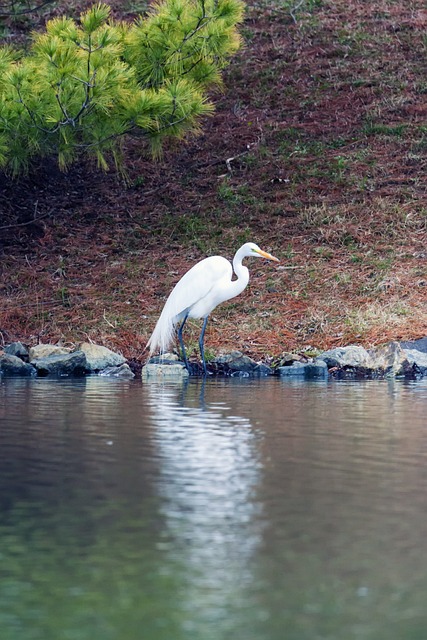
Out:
{"x": 123, "y": 371}
{"x": 307, "y": 370}
{"x": 45, "y": 350}
{"x": 164, "y": 358}
{"x": 17, "y": 349}
{"x": 351, "y": 356}
{"x": 287, "y": 358}
{"x": 297, "y": 369}
{"x": 263, "y": 370}
{"x": 14, "y": 366}
{"x": 236, "y": 361}
{"x": 164, "y": 371}
{"x": 99, "y": 358}
{"x": 388, "y": 361}
{"x": 391, "y": 360}
{"x": 417, "y": 358}
{"x": 241, "y": 374}
{"x": 70, "y": 364}
{"x": 317, "y": 369}
{"x": 419, "y": 345}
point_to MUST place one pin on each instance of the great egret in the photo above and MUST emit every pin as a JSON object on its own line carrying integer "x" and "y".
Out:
{"x": 198, "y": 292}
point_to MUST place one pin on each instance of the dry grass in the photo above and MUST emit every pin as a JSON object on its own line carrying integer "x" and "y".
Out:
{"x": 326, "y": 121}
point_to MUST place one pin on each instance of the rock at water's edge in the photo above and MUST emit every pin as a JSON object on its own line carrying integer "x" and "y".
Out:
{"x": 306, "y": 370}
{"x": 14, "y": 366}
{"x": 388, "y": 361}
{"x": 124, "y": 371}
{"x": 419, "y": 345}
{"x": 236, "y": 363}
{"x": 71, "y": 364}
{"x": 164, "y": 371}
{"x": 17, "y": 349}
{"x": 164, "y": 358}
{"x": 40, "y": 351}
{"x": 417, "y": 358}
{"x": 391, "y": 360}
{"x": 351, "y": 356}
{"x": 99, "y": 358}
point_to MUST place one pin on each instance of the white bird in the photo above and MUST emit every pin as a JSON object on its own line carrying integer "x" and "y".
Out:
{"x": 198, "y": 292}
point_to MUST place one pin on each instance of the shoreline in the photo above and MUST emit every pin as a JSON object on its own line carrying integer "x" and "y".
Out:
{"x": 394, "y": 360}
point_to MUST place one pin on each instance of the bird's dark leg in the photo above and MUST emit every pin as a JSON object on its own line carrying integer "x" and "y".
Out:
{"x": 201, "y": 344}
{"x": 181, "y": 342}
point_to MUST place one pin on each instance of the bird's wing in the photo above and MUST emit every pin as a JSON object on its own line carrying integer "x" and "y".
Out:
{"x": 197, "y": 283}
{"x": 193, "y": 287}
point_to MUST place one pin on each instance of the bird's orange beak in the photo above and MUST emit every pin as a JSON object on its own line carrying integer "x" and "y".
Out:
{"x": 267, "y": 256}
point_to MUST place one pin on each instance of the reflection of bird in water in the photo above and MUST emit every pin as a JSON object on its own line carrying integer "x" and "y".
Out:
{"x": 199, "y": 291}
{"x": 206, "y": 486}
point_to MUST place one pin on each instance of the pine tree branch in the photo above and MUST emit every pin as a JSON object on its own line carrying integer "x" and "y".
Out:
{"x": 68, "y": 120}
{"x": 61, "y": 84}
{"x": 30, "y": 113}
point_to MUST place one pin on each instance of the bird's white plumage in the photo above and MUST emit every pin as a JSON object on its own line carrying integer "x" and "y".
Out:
{"x": 200, "y": 290}
{"x": 207, "y": 276}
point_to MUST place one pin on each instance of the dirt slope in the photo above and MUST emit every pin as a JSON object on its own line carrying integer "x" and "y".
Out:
{"x": 317, "y": 152}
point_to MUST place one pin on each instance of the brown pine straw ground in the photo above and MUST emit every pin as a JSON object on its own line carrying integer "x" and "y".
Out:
{"x": 317, "y": 152}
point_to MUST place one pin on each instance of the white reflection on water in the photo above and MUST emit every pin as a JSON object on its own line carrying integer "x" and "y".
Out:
{"x": 209, "y": 471}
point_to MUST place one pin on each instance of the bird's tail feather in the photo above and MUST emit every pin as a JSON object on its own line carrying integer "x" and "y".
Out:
{"x": 163, "y": 333}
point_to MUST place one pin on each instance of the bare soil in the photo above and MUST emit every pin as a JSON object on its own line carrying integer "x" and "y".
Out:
{"x": 317, "y": 152}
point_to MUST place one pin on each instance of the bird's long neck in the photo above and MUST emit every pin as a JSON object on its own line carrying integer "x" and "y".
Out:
{"x": 242, "y": 273}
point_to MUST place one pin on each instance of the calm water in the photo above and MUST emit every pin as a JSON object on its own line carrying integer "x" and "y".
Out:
{"x": 241, "y": 510}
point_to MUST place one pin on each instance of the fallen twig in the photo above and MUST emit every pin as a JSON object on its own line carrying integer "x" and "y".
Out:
{"x": 5, "y": 13}
{"x": 23, "y": 224}
{"x": 295, "y": 9}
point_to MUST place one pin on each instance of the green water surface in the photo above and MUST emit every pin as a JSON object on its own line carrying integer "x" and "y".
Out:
{"x": 241, "y": 510}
